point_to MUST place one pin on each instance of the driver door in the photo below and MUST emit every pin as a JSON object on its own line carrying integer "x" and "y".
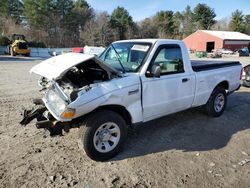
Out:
{"x": 173, "y": 91}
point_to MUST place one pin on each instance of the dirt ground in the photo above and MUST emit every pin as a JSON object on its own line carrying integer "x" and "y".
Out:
{"x": 187, "y": 149}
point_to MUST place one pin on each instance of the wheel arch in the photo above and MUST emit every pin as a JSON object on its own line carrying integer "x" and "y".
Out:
{"x": 121, "y": 110}
{"x": 224, "y": 84}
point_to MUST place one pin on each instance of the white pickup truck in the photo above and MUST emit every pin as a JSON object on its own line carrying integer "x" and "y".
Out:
{"x": 131, "y": 82}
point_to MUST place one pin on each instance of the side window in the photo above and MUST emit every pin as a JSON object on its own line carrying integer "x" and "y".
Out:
{"x": 169, "y": 58}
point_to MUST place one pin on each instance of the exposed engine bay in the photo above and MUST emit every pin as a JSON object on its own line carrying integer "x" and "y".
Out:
{"x": 78, "y": 78}
{"x": 66, "y": 81}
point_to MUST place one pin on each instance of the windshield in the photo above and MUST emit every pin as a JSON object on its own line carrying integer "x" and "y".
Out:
{"x": 125, "y": 56}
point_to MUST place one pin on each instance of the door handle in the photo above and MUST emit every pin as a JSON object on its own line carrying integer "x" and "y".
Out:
{"x": 133, "y": 92}
{"x": 185, "y": 79}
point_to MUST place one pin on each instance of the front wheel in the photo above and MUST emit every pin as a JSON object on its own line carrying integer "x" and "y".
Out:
{"x": 217, "y": 102}
{"x": 103, "y": 135}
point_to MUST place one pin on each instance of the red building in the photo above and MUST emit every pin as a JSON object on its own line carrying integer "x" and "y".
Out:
{"x": 207, "y": 40}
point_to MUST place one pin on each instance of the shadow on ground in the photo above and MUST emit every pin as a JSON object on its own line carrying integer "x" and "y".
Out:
{"x": 190, "y": 130}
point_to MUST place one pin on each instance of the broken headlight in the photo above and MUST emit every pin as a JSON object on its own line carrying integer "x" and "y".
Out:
{"x": 55, "y": 102}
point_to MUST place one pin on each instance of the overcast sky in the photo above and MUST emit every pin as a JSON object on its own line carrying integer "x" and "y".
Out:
{"x": 140, "y": 9}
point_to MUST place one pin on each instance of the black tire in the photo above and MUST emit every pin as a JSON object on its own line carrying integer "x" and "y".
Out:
{"x": 88, "y": 131}
{"x": 210, "y": 107}
{"x": 246, "y": 83}
{"x": 27, "y": 55}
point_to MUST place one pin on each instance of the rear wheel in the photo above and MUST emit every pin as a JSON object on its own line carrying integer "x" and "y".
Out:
{"x": 217, "y": 102}
{"x": 103, "y": 135}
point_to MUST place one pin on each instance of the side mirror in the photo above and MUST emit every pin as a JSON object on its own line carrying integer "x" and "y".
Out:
{"x": 156, "y": 71}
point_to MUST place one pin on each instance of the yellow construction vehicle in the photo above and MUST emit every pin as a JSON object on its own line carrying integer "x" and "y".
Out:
{"x": 18, "y": 46}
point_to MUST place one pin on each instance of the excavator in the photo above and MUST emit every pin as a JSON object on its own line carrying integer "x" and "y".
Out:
{"x": 18, "y": 46}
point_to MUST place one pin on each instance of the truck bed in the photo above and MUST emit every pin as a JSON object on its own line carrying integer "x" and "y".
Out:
{"x": 199, "y": 65}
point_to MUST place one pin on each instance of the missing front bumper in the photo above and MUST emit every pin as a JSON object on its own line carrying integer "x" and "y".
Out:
{"x": 29, "y": 115}
{"x": 44, "y": 119}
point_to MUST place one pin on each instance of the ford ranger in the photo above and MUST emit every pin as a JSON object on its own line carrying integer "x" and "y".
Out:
{"x": 131, "y": 82}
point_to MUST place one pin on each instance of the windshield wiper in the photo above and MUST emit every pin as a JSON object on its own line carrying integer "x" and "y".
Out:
{"x": 118, "y": 57}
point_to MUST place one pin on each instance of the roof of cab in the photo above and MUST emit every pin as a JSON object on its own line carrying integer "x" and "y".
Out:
{"x": 148, "y": 40}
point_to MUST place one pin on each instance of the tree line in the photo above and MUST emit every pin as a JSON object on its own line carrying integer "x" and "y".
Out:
{"x": 68, "y": 23}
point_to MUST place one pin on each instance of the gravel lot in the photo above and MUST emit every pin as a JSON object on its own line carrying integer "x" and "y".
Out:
{"x": 187, "y": 149}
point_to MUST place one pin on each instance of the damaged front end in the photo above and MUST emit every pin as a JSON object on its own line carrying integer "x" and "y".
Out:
{"x": 51, "y": 112}
{"x": 35, "y": 112}
{"x": 65, "y": 81}
{"x": 43, "y": 118}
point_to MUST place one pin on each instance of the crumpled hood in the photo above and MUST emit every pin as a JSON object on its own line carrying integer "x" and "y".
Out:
{"x": 57, "y": 66}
